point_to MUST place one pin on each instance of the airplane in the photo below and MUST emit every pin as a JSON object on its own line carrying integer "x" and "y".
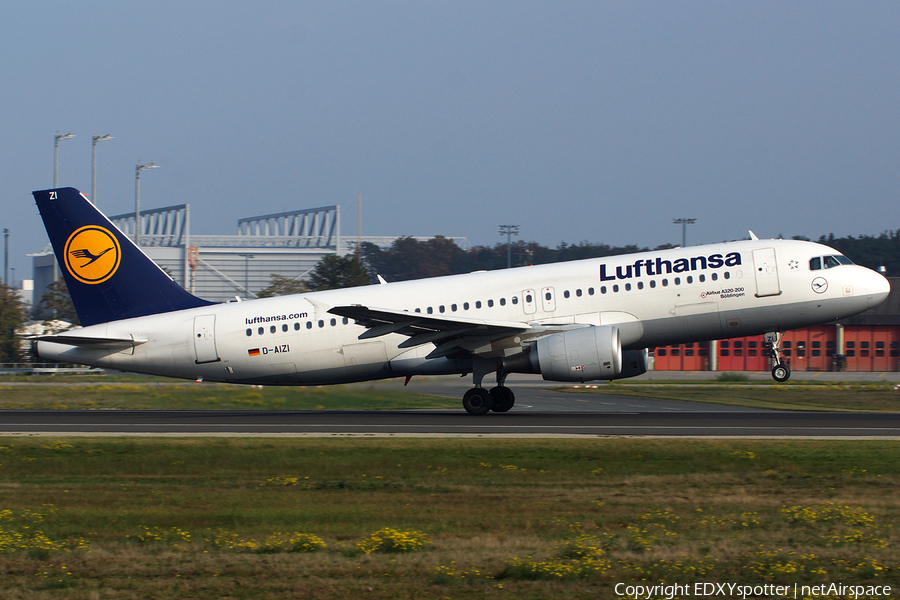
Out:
{"x": 577, "y": 321}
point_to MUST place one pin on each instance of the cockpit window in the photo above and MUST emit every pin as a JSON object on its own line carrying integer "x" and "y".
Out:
{"x": 828, "y": 262}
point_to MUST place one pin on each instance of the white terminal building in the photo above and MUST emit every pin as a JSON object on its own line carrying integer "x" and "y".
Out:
{"x": 221, "y": 267}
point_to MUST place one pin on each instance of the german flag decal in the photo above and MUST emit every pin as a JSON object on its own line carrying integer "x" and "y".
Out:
{"x": 253, "y": 352}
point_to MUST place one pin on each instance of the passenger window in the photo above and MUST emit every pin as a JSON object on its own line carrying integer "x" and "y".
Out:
{"x": 478, "y": 304}
{"x": 727, "y": 275}
{"x": 640, "y": 285}
{"x": 578, "y": 293}
{"x": 284, "y": 327}
{"x": 333, "y": 322}
{"x": 261, "y": 331}
{"x": 815, "y": 263}
{"x": 616, "y": 288}
{"x": 502, "y": 301}
{"x": 321, "y": 323}
{"x": 429, "y": 310}
{"x": 590, "y": 291}
{"x": 714, "y": 276}
{"x": 296, "y": 326}
{"x": 566, "y": 294}
{"x": 602, "y": 289}
{"x": 627, "y": 287}
{"x": 249, "y": 332}
{"x": 465, "y": 306}
{"x": 272, "y": 329}
{"x": 309, "y": 324}
{"x": 453, "y": 307}
{"x": 490, "y": 304}
{"x": 515, "y": 299}
{"x": 653, "y": 283}
{"x": 441, "y": 308}
{"x": 678, "y": 281}
{"x": 702, "y": 278}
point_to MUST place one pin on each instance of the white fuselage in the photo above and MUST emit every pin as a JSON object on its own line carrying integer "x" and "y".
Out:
{"x": 654, "y": 298}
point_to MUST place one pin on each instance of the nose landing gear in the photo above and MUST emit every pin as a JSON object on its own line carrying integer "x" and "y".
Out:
{"x": 780, "y": 372}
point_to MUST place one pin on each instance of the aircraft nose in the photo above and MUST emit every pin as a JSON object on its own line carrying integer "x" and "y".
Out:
{"x": 877, "y": 288}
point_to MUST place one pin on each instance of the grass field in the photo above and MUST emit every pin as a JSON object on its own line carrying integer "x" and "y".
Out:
{"x": 170, "y": 394}
{"x": 116, "y": 518}
{"x": 805, "y": 395}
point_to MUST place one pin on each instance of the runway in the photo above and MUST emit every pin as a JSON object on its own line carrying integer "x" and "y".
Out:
{"x": 771, "y": 424}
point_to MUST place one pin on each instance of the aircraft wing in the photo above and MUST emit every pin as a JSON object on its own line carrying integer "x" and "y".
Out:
{"x": 449, "y": 334}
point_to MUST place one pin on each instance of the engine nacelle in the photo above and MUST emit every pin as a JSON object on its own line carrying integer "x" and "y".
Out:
{"x": 586, "y": 354}
{"x": 634, "y": 363}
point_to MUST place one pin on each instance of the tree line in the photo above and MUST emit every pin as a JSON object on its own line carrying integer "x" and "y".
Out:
{"x": 408, "y": 258}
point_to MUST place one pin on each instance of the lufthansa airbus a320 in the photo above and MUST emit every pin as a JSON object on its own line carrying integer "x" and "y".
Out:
{"x": 575, "y": 321}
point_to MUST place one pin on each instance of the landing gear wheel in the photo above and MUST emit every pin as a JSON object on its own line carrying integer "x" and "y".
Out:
{"x": 503, "y": 397}
{"x": 781, "y": 373}
{"x": 477, "y": 401}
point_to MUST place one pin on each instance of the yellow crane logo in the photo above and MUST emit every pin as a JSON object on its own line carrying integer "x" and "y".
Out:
{"x": 92, "y": 254}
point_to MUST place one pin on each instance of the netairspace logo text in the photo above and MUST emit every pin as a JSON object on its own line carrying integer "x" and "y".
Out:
{"x": 737, "y": 590}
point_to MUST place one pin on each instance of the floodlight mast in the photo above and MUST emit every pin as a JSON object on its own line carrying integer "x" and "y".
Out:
{"x": 137, "y": 198}
{"x": 56, "y": 140}
{"x": 96, "y": 140}
{"x": 509, "y": 231}
{"x": 684, "y": 223}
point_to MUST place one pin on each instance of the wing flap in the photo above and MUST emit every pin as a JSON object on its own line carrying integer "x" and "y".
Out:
{"x": 450, "y": 334}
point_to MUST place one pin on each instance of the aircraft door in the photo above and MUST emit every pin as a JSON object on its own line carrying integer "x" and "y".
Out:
{"x": 205, "y": 339}
{"x": 766, "y": 271}
{"x": 529, "y": 302}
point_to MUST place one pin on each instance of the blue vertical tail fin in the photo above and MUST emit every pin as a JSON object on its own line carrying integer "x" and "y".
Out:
{"x": 109, "y": 278}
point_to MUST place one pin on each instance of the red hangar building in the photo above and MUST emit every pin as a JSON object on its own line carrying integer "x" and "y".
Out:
{"x": 869, "y": 341}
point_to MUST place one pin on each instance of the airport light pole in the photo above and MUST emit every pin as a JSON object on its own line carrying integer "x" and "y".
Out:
{"x": 137, "y": 198}
{"x": 684, "y": 223}
{"x": 247, "y": 258}
{"x": 509, "y": 231}
{"x": 97, "y": 139}
{"x": 6, "y": 256}
{"x": 56, "y": 140}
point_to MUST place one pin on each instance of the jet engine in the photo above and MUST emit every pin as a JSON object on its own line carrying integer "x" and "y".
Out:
{"x": 586, "y": 354}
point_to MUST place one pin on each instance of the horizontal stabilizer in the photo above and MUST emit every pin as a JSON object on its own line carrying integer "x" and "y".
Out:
{"x": 90, "y": 342}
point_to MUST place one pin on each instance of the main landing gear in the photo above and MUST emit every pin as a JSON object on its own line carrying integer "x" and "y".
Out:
{"x": 780, "y": 372}
{"x": 479, "y": 401}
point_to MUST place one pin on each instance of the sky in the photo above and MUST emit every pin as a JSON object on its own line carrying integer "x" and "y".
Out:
{"x": 597, "y": 121}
